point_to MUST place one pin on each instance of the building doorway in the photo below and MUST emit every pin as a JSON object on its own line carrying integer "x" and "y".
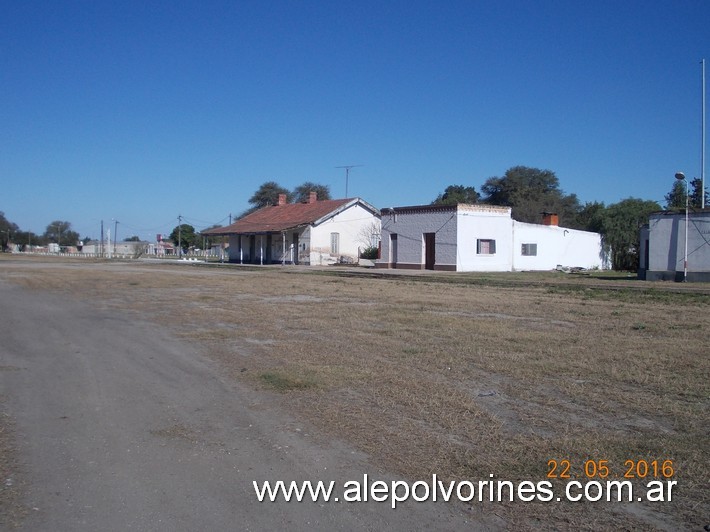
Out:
{"x": 429, "y": 250}
{"x": 393, "y": 249}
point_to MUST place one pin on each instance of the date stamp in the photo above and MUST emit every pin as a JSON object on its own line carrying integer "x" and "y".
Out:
{"x": 601, "y": 469}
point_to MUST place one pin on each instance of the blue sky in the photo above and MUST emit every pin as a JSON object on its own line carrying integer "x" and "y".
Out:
{"x": 143, "y": 111}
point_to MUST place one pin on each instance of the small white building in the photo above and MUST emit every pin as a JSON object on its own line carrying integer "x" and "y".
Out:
{"x": 317, "y": 232}
{"x": 663, "y": 249}
{"x": 481, "y": 238}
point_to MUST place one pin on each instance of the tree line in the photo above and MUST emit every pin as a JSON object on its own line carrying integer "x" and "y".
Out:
{"x": 532, "y": 191}
{"x": 58, "y": 232}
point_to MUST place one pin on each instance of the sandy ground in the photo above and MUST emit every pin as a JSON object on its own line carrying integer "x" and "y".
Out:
{"x": 120, "y": 427}
{"x": 304, "y": 373}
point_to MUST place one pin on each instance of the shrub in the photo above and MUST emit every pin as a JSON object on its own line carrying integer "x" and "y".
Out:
{"x": 369, "y": 253}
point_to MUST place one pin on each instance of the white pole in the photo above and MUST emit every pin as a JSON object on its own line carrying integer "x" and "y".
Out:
{"x": 685, "y": 258}
{"x": 702, "y": 143}
{"x": 283, "y": 249}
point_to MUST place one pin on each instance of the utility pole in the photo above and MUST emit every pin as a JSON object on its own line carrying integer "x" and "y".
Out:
{"x": 101, "y": 247}
{"x": 347, "y": 174}
{"x": 179, "y": 235}
{"x": 115, "y": 234}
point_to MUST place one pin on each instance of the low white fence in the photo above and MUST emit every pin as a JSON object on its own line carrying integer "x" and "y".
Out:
{"x": 202, "y": 255}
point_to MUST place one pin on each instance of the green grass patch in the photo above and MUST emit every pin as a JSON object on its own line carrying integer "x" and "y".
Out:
{"x": 284, "y": 382}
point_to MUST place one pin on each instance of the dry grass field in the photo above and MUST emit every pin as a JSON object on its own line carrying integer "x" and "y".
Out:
{"x": 461, "y": 375}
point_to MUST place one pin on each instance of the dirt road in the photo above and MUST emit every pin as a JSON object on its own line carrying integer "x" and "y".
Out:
{"x": 120, "y": 427}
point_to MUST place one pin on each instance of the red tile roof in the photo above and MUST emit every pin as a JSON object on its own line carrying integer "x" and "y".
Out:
{"x": 280, "y": 217}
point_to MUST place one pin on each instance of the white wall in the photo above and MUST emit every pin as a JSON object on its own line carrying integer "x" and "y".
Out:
{"x": 349, "y": 224}
{"x": 410, "y": 225}
{"x": 555, "y": 246}
{"x": 483, "y": 222}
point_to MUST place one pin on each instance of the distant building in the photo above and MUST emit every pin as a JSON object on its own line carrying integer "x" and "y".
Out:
{"x": 121, "y": 249}
{"x": 315, "y": 232}
{"x": 481, "y": 238}
{"x": 662, "y": 250}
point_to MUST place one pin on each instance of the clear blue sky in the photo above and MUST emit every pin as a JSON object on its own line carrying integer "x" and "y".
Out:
{"x": 141, "y": 111}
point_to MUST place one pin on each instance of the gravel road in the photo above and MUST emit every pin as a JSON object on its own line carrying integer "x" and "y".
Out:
{"x": 119, "y": 426}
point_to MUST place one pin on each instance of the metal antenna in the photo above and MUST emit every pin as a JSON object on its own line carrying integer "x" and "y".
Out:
{"x": 347, "y": 174}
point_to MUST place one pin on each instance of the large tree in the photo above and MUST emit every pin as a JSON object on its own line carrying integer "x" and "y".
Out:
{"x": 268, "y": 194}
{"x": 591, "y": 217}
{"x": 455, "y": 194}
{"x": 8, "y": 231}
{"x": 622, "y": 224}
{"x": 675, "y": 199}
{"x": 60, "y": 232}
{"x": 24, "y": 239}
{"x": 302, "y": 192}
{"x": 530, "y": 192}
{"x": 185, "y": 237}
{"x": 697, "y": 193}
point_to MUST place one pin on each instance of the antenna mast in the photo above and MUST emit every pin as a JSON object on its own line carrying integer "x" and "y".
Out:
{"x": 347, "y": 174}
{"x": 702, "y": 141}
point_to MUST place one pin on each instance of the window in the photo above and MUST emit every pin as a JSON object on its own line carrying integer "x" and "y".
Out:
{"x": 529, "y": 250}
{"x": 334, "y": 243}
{"x": 485, "y": 246}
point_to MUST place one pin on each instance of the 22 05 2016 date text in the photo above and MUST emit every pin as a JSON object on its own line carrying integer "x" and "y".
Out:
{"x": 630, "y": 469}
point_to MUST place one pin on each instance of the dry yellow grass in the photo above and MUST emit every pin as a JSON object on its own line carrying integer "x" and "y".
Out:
{"x": 459, "y": 375}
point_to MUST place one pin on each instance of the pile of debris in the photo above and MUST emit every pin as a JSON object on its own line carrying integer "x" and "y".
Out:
{"x": 572, "y": 269}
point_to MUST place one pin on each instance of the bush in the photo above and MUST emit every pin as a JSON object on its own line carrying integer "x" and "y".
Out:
{"x": 369, "y": 253}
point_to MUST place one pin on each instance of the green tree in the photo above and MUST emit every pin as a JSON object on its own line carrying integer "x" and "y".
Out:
{"x": 184, "y": 236}
{"x": 302, "y": 192}
{"x": 268, "y": 194}
{"x": 697, "y": 193}
{"x": 27, "y": 238}
{"x": 530, "y": 192}
{"x": 61, "y": 233}
{"x": 591, "y": 217}
{"x": 675, "y": 199}
{"x": 455, "y": 194}
{"x": 133, "y": 238}
{"x": 622, "y": 223}
{"x": 8, "y": 231}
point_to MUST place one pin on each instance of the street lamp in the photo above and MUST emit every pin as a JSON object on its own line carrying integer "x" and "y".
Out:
{"x": 681, "y": 177}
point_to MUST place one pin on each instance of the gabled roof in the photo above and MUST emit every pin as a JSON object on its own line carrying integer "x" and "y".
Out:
{"x": 278, "y": 218}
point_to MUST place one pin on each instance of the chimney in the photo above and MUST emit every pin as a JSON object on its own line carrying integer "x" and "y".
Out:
{"x": 282, "y": 199}
{"x": 550, "y": 218}
{"x": 312, "y": 196}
